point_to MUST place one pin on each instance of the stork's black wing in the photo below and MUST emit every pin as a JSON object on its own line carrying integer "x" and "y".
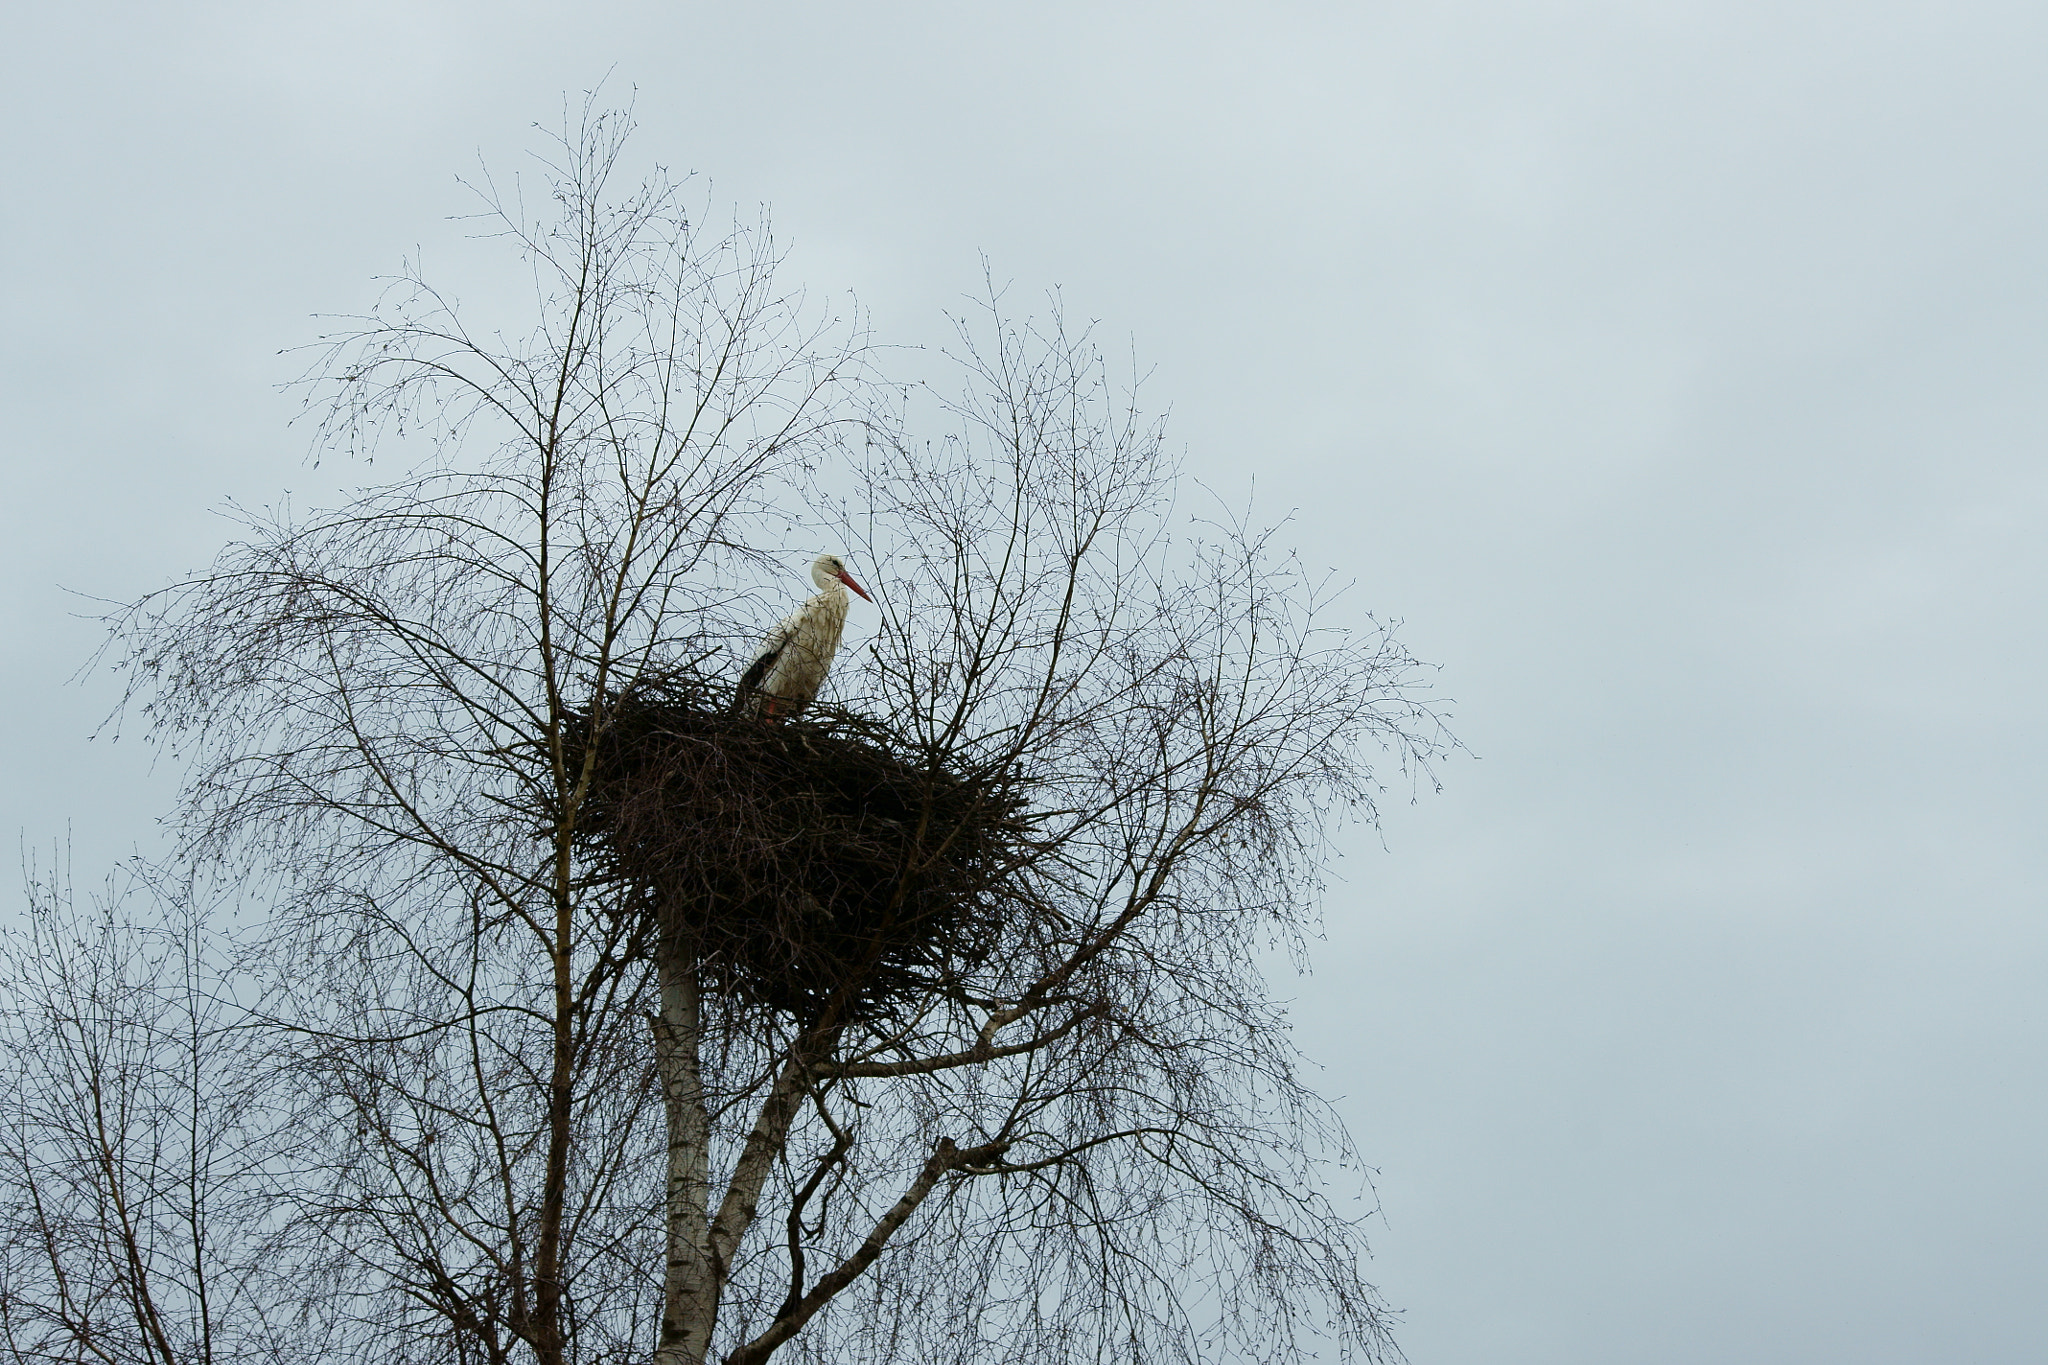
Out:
{"x": 757, "y": 671}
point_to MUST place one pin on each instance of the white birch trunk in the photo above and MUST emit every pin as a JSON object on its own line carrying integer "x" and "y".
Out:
{"x": 690, "y": 1285}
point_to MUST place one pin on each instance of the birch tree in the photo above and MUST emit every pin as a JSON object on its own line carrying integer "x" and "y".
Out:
{"x": 534, "y": 1124}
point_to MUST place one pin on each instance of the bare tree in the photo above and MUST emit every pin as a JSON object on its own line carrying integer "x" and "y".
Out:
{"x": 533, "y": 1115}
{"x": 135, "y": 1142}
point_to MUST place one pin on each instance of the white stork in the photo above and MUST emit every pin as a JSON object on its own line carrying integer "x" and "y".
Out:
{"x": 791, "y": 664}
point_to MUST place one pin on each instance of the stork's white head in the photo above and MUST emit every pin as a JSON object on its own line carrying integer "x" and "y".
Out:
{"x": 829, "y": 569}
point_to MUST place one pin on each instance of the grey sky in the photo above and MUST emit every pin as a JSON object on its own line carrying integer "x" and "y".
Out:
{"x": 1675, "y": 370}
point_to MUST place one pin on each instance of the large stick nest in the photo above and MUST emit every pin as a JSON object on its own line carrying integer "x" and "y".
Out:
{"x": 817, "y": 862}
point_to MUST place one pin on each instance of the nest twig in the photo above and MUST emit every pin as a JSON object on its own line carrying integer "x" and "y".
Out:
{"x": 812, "y": 862}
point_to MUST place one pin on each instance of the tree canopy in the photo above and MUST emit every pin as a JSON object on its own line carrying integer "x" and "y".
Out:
{"x": 510, "y": 1108}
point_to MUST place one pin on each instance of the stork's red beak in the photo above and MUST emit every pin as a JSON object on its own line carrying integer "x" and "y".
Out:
{"x": 847, "y": 579}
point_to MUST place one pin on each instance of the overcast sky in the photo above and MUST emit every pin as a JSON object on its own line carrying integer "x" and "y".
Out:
{"x": 1676, "y": 371}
